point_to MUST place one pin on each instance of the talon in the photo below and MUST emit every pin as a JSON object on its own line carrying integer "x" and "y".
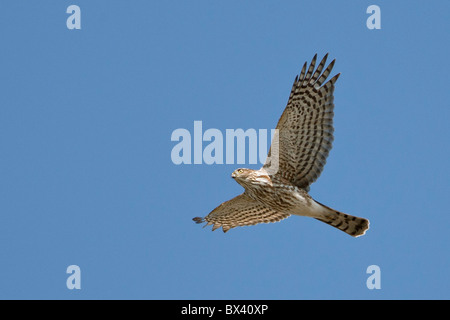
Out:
{"x": 198, "y": 219}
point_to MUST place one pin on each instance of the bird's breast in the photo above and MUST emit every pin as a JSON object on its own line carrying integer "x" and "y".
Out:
{"x": 282, "y": 198}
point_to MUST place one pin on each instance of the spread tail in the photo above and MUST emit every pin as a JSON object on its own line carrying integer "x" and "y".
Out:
{"x": 354, "y": 226}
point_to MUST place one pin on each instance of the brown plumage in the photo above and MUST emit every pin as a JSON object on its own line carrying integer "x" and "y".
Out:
{"x": 303, "y": 140}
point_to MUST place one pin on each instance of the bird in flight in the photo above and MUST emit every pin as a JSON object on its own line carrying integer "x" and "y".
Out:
{"x": 302, "y": 141}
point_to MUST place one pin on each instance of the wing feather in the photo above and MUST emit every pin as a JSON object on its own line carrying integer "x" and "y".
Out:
{"x": 240, "y": 211}
{"x": 305, "y": 129}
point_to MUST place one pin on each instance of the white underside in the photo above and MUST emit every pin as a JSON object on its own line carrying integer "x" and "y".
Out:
{"x": 308, "y": 208}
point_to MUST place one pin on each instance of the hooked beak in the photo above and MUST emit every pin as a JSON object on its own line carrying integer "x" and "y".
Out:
{"x": 233, "y": 175}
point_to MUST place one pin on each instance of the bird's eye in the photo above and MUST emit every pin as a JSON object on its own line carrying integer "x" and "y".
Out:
{"x": 240, "y": 170}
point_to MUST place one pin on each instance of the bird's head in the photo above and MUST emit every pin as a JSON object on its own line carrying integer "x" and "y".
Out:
{"x": 241, "y": 173}
{"x": 247, "y": 177}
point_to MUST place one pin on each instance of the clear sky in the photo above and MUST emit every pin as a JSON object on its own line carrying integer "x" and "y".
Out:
{"x": 87, "y": 178}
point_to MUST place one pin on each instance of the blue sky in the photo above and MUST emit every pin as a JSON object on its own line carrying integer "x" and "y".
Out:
{"x": 87, "y": 179}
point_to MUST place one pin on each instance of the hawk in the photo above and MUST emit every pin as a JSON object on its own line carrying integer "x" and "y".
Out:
{"x": 301, "y": 144}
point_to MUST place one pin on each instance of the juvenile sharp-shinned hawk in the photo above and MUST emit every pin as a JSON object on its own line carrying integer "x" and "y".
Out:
{"x": 303, "y": 139}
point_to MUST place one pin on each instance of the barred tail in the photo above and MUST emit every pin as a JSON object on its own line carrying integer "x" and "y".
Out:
{"x": 354, "y": 226}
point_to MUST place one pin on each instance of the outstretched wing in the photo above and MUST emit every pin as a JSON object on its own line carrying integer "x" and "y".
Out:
{"x": 240, "y": 211}
{"x": 305, "y": 129}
